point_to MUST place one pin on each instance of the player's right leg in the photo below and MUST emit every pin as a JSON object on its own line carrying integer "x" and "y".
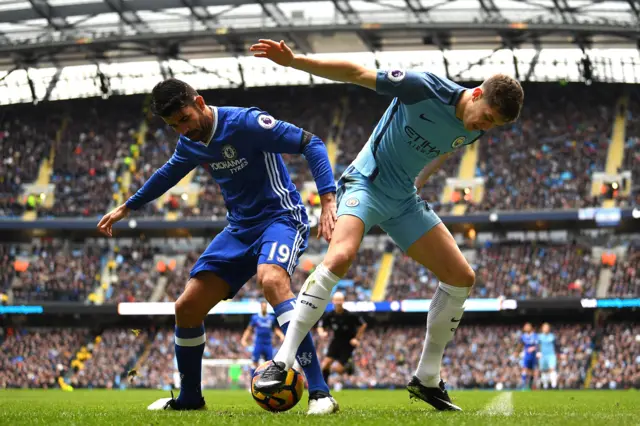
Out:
{"x": 358, "y": 211}
{"x": 203, "y": 292}
{"x": 217, "y": 275}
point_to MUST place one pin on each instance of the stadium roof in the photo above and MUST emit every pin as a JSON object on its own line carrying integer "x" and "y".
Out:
{"x": 38, "y": 33}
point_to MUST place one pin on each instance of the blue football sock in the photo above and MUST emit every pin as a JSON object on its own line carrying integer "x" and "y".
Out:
{"x": 306, "y": 354}
{"x": 189, "y": 346}
{"x": 524, "y": 380}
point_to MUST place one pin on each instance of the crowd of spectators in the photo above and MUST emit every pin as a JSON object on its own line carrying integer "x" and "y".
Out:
{"x": 25, "y": 140}
{"x": 625, "y": 277}
{"x": 35, "y": 358}
{"x": 618, "y": 363}
{"x": 56, "y": 271}
{"x": 543, "y": 161}
{"x": 518, "y": 271}
{"x": 480, "y": 356}
{"x": 91, "y": 155}
{"x": 109, "y": 359}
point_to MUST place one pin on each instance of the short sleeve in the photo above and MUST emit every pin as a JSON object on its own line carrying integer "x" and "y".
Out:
{"x": 412, "y": 87}
{"x": 253, "y": 321}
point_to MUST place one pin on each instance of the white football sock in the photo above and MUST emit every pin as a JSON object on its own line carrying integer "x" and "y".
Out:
{"x": 445, "y": 312}
{"x": 545, "y": 380}
{"x": 554, "y": 379}
{"x": 310, "y": 305}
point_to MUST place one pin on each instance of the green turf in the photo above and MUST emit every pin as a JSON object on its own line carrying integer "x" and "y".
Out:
{"x": 102, "y": 407}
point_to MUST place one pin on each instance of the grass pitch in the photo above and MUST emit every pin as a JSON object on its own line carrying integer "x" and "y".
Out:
{"x": 388, "y": 408}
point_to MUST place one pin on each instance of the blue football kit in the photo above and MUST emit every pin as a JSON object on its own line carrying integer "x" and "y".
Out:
{"x": 419, "y": 126}
{"x": 263, "y": 336}
{"x": 530, "y": 359}
{"x": 267, "y": 219}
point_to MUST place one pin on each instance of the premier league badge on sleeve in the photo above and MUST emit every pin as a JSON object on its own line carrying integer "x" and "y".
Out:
{"x": 396, "y": 76}
{"x": 266, "y": 121}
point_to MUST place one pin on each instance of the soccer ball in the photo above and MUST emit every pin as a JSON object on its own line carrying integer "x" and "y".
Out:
{"x": 284, "y": 400}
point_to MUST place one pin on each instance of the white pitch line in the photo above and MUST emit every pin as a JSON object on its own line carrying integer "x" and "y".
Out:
{"x": 501, "y": 405}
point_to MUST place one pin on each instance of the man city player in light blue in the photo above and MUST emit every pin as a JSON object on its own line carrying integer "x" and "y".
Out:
{"x": 268, "y": 226}
{"x": 429, "y": 118}
{"x": 548, "y": 358}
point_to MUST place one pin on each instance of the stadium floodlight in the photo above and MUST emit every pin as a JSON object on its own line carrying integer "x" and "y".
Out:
{"x": 635, "y": 213}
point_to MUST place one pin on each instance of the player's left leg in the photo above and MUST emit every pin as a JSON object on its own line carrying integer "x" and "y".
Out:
{"x": 327, "y": 362}
{"x": 553, "y": 374}
{"x": 280, "y": 246}
{"x": 435, "y": 249}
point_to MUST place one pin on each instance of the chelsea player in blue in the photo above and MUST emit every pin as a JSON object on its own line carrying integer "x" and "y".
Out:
{"x": 548, "y": 358}
{"x": 528, "y": 344}
{"x": 429, "y": 118}
{"x": 267, "y": 230}
{"x": 263, "y": 325}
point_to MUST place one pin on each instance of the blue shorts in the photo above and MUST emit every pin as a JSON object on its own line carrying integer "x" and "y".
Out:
{"x": 529, "y": 362}
{"x": 262, "y": 350}
{"x": 548, "y": 362}
{"x": 235, "y": 253}
{"x": 403, "y": 220}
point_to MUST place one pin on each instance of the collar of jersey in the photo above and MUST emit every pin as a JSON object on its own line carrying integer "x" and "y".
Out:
{"x": 214, "y": 110}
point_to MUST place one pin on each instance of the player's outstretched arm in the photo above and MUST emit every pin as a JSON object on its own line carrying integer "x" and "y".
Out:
{"x": 280, "y": 334}
{"x": 332, "y": 69}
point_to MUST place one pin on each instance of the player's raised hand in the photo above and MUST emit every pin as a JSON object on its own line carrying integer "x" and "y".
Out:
{"x": 328, "y": 217}
{"x": 277, "y": 52}
{"x": 354, "y": 342}
{"x": 106, "y": 223}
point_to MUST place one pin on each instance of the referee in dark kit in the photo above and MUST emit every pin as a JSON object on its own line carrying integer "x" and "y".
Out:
{"x": 348, "y": 329}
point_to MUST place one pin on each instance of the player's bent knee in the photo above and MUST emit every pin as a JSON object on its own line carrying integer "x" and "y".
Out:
{"x": 188, "y": 313}
{"x": 340, "y": 259}
{"x": 460, "y": 277}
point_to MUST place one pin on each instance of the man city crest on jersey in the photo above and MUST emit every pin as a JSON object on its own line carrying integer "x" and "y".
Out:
{"x": 229, "y": 152}
{"x": 266, "y": 121}
{"x": 458, "y": 142}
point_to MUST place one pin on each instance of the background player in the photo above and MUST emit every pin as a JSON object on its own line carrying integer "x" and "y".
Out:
{"x": 429, "y": 118}
{"x": 548, "y": 358}
{"x": 348, "y": 329}
{"x": 264, "y": 326}
{"x": 268, "y": 226}
{"x": 528, "y": 347}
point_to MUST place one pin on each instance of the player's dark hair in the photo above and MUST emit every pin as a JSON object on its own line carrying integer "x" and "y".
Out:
{"x": 505, "y": 95}
{"x": 171, "y": 95}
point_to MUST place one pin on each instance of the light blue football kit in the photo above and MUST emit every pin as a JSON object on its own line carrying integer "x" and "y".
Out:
{"x": 419, "y": 125}
{"x": 548, "y": 359}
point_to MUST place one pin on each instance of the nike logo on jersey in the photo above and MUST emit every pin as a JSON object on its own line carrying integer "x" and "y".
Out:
{"x": 455, "y": 320}
{"x": 424, "y": 117}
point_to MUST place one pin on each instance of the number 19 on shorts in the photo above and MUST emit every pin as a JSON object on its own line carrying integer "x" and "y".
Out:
{"x": 281, "y": 253}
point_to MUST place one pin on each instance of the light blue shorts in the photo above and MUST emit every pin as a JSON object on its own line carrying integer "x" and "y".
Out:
{"x": 403, "y": 220}
{"x": 548, "y": 362}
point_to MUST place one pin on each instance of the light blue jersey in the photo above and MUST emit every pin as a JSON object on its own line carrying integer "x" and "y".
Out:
{"x": 548, "y": 359}
{"x": 547, "y": 344}
{"x": 419, "y": 125}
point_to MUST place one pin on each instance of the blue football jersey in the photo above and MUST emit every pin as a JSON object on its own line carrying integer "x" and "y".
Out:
{"x": 263, "y": 326}
{"x": 547, "y": 343}
{"x": 243, "y": 157}
{"x": 529, "y": 340}
{"x": 419, "y": 125}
